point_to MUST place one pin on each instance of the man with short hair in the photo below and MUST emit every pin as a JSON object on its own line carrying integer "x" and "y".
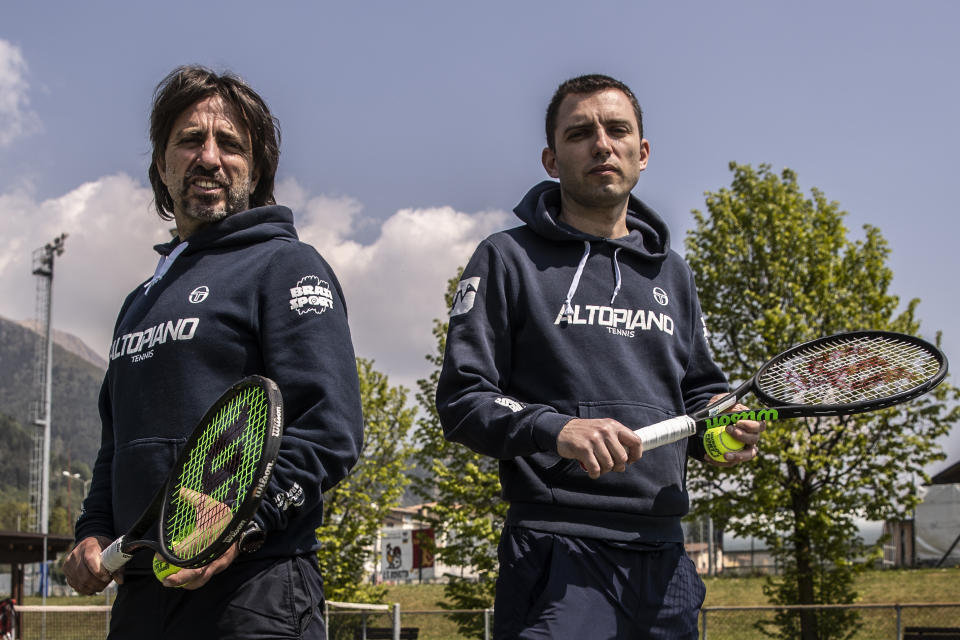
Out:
{"x": 565, "y": 335}
{"x": 229, "y": 279}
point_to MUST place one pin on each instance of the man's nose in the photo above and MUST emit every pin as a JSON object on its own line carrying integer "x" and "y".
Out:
{"x": 602, "y": 143}
{"x": 210, "y": 153}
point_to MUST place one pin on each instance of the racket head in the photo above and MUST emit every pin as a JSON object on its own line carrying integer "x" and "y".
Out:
{"x": 216, "y": 485}
{"x": 853, "y": 372}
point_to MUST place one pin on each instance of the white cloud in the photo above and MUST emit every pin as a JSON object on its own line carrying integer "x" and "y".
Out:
{"x": 394, "y": 285}
{"x": 16, "y": 117}
{"x": 111, "y": 229}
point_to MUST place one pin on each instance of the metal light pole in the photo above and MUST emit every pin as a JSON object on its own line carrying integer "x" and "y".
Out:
{"x": 43, "y": 268}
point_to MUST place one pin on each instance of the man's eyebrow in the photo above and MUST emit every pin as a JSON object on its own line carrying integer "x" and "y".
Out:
{"x": 618, "y": 122}
{"x": 191, "y": 130}
{"x": 583, "y": 124}
{"x": 187, "y": 130}
{"x": 231, "y": 136}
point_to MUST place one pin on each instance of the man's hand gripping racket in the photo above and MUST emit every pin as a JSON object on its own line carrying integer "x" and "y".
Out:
{"x": 216, "y": 484}
{"x": 838, "y": 375}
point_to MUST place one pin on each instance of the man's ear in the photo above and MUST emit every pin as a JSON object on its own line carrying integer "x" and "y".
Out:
{"x": 549, "y": 160}
{"x": 644, "y": 153}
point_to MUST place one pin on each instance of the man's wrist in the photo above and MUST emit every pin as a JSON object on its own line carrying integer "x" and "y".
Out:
{"x": 252, "y": 538}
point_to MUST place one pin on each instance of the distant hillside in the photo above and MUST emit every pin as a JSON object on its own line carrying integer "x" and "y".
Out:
{"x": 75, "y": 426}
{"x": 73, "y": 344}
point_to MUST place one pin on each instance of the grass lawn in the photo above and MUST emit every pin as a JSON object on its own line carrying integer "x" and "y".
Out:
{"x": 887, "y": 586}
{"x": 874, "y": 587}
{"x": 881, "y": 587}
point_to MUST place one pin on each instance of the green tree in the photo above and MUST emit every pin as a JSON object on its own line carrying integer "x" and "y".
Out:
{"x": 15, "y": 513}
{"x": 355, "y": 509}
{"x": 469, "y": 513}
{"x": 59, "y": 523}
{"x": 775, "y": 268}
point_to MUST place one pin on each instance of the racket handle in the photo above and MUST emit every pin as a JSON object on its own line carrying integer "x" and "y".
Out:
{"x": 113, "y": 557}
{"x": 661, "y": 433}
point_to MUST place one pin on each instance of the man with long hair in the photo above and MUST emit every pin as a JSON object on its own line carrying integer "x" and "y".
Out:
{"x": 224, "y": 302}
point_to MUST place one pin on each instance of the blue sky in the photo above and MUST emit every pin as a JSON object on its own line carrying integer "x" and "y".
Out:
{"x": 410, "y": 129}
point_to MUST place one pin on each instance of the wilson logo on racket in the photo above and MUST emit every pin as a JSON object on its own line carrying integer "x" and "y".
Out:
{"x": 262, "y": 482}
{"x": 733, "y": 418}
{"x": 277, "y": 423}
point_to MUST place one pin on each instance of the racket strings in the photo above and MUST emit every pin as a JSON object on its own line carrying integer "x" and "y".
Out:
{"x": 217, "y": 476}
{"x": 848, "y": 371}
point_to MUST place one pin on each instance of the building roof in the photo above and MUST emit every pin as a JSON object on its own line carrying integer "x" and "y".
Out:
{"x": 21, "y": 547}
{"x": 950, "y": 475}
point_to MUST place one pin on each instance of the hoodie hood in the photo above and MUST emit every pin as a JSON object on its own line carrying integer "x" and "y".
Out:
{"x": 240, "y": 229}
{"x": 244, "y": 228}
{"x": 649, "y": 236}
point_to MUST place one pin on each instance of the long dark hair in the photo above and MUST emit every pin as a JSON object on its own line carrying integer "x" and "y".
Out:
{"x": 187, "y": 85}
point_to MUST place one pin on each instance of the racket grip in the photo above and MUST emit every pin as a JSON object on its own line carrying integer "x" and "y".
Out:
{"x": 113, "y": 557}
{"x": 661, "y": 433}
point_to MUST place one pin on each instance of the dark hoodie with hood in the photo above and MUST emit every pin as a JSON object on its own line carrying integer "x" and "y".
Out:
{"x": 242, "y": 296}
{"x": 550, "y": 324}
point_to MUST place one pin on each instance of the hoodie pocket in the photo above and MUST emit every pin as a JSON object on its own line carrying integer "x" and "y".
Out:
{"x": 140, "y": 469}
{"x": 654, "y": 484}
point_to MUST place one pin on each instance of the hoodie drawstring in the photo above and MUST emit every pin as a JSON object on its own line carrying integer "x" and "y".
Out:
{"x": 616, "y": 269}
{"x": 567, "y": 312}
{"x": 163, "y": 266}
{"x": 567, "y": 307}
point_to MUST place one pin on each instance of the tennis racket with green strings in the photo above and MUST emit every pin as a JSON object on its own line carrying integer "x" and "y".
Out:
{"x": 838, "y": 375}
{"x": 216, "y": 484}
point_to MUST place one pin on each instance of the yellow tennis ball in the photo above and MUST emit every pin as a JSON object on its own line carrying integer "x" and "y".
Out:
{"x": 718, "y": 442}
{"x": 162, "y": 568}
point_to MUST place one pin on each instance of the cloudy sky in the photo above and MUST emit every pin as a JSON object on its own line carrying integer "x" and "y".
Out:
{"x": 411, "y": 129}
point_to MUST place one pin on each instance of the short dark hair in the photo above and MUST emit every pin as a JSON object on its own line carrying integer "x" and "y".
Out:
{"x": 591, "y": 83}
{"x": 187, "y": 85}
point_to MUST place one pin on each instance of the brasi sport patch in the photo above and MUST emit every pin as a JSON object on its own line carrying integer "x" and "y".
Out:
{"x": 311, "y": 295}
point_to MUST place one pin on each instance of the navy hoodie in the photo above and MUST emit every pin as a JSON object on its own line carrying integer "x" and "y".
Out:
{"x": 549, "y": 324}
{"x": 242, "y": 297}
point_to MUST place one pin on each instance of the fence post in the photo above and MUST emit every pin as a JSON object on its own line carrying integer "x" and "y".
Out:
{"x": 703, "y": 625}
{"x": 899, "y": 622}
{"x": 396, "y": 621}
{"x": 486, "y": 623}
{"x": 326, "y": 616}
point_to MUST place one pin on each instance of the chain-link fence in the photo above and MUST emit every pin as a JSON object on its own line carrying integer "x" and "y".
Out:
{"x": 349, "y": 621}
{"x": 346, "y": 621}
{"x": 866, "y": 621}
{"x": 61, "y": 622}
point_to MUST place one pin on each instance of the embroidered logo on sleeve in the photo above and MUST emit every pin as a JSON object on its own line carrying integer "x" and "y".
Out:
{"x": 509, "y": 403}
{"x": 464, "y": 297}
{"x": 292, "y": 497}
{"x": 311, "y": 295}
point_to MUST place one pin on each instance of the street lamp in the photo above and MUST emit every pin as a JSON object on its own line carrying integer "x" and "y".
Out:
{"x": 70, "y": 477}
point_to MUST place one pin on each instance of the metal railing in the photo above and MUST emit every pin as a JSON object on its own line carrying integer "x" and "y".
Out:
{"x": 874, "y": 621}
{"x": 353, "y": 621}
{"x": 356, "y": 621}
{"x": 62, "y": 622}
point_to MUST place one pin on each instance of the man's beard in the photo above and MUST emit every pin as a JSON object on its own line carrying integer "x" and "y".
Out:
{"x": 198, "y": 208}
